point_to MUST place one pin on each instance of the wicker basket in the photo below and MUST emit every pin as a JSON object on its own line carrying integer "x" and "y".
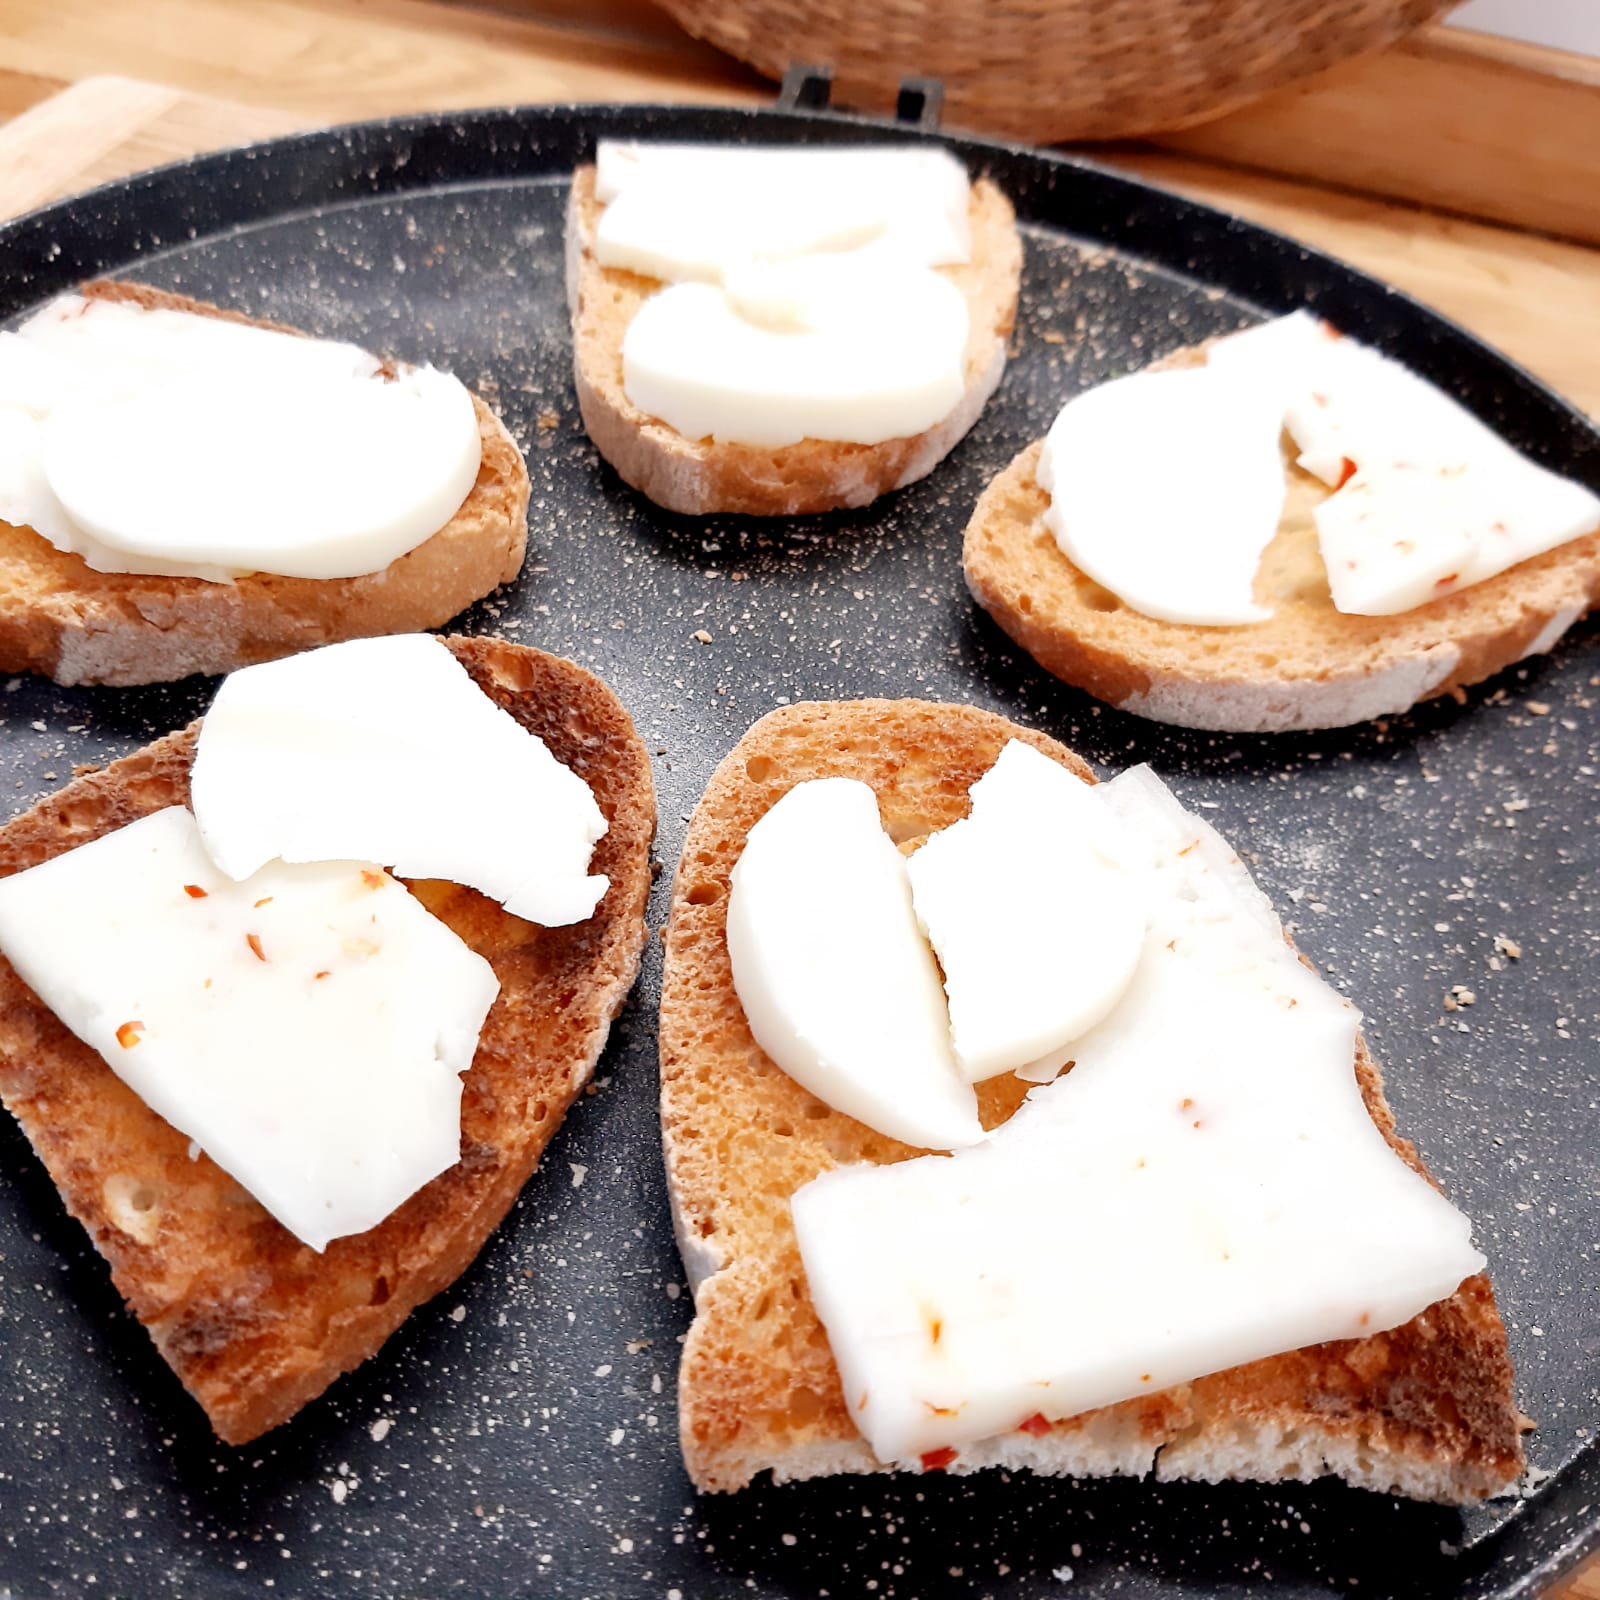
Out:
{"x": 1047, "y": 70}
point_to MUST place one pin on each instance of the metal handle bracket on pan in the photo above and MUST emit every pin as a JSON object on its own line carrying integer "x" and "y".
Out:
{"x": 808, "y": 86}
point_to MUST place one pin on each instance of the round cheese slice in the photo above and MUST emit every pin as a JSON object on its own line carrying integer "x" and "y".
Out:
{"x": 333, "y": 481}
{"x": 1166, "y": 487}
{"x": 170, "y": 442}
{"x": 829, "y": 349}
{"x": 837, "y": 982}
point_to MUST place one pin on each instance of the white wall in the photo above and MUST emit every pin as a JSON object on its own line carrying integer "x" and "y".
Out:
{"x": 1565, "y": 24}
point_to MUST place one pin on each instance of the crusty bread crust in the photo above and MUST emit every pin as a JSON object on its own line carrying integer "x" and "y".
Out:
{"x": 60, "y": 618}
{"x": 1425, "y": 1410}
{"x": 254, "y": 1322}
{"x": 1308, "y": 666}
{"x": 698, "y": 476}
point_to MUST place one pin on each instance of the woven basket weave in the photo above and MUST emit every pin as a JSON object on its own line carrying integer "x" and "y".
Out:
{"x": 1047, "y": 70}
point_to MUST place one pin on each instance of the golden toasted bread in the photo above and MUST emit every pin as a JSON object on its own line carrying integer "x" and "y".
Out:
{"x": 700, "y": 475}
{"x": 1425, "y": 1410}
{"x": 252, "y": 1320}
{"x": 60, "y": 618}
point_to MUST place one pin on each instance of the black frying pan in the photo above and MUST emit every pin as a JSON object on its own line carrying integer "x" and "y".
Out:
{"x": 517, "y": 1436}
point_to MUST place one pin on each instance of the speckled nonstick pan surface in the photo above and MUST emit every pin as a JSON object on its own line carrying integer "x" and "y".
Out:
{"x": 516, "y": 1438}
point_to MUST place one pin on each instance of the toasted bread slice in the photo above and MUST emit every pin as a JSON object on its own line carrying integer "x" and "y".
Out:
{"x": 61, "y": 618}
{"x": 1425, "y": 1410}
{"x": 698, "y": 476}
{"x": 1308, "y": 666}
{"x": 254, "y": 1322}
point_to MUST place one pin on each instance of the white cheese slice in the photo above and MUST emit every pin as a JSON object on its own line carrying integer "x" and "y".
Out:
{"x": 334, "y": 482}
{"x": 1231, "y": 1197}
{"x": 857, "y": 356}
{"x": 837, "y": 982}
{"x": 1036, "y": 911}
{"x": 307, "y": 1028}
{"x": 28, "y": 376}
{"x": 1399, "y": 536}
{"x": 386, "y": 750}
{"x": 115, "y": 344}
{"x": 688, "y": 212}
{"x": 1273, "y": 355}
{"x": 1351, "y": 403}
{"x": 163, "y": 441}
{"x": 1166, "y": 487}
{"x": 26, "y": 498}
{"x": 806, "y": 293}
{"x": 1429, "y": 499}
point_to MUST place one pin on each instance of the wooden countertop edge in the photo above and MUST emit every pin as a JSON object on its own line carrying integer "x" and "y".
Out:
{"x": 1427, "y": 122}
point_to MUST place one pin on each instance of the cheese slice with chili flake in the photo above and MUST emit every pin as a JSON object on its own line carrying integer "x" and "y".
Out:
{"x": 1202, "y": 1189}
{"x": 1428, "y": 500}
{"x": 307, "y": 1027}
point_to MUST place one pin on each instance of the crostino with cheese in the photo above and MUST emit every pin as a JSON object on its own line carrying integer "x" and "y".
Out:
{"x": 1284, "y": 529}
{"x": 184, "y": 489}
{"x": 1201, "y": 1250}
{"x": 290, "y": 1100}
{"x": 784, "y": 329}
{"x": 249, "y": 968}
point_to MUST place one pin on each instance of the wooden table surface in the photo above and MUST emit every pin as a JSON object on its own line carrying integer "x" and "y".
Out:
{"x": 94, "y": 89}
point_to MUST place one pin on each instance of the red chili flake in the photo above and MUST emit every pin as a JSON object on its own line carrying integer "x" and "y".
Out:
{"x": 1447, "y": 580}
{"x": 373, "y": 880}
{"x": 254, "y": 941}
{"x": 194, "y": 891}
{"x": 1144, "y": 1377}
{"x": 1038, "y": 1425}
{"x": 1347, "y": 470}
{"x": 322, "y": 974}
{"x": 935, "y": 1329}
{"x": 1185, "y": 1103}
{"x": 128, "y": 1034}
{"x": 940, "y": 1411}
{"x": 937, "y": 1460}
{"x": 1366, "y": 1317}
{"x": 861, "y": 1404}
{"x": 1321, "y": 399}
{"x": 265, "y": 900}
